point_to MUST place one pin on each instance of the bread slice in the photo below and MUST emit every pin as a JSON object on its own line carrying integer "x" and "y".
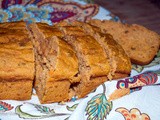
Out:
{"x": 94, "y": 66}
{"x": 119, "y": 61}
{"x": 16, "y": 62}
{"x": 56, "y": 65}
{"x": 140, "y": 44}
{"x": 89, "y": 64}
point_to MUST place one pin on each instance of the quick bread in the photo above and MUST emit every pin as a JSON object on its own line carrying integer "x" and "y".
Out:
{"x": 118, "y": 60}
{"x": 17, "y": 64}
{"x": 56, "y": 65}
{"x": 65, "y": 60}
{"x": 140, "y": 43}
{"x": 94, "y": 66}
{"x": 80, "y": 73}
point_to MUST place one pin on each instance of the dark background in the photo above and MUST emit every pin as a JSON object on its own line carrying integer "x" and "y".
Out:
{"x": 143, "y": 12}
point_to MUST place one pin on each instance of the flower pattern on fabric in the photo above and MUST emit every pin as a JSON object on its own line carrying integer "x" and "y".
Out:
{"x": 147, "y": 78}
{"x": 29, "y": 13}
{"x": 41, "y": 14}
{"x": 18, "y": 13}
{"x": 50, "y": 11}
{"x": 45, "y": 112}
{"x": 72, "y": 11}
{"x": 5, "y": 15}
{"x": 5, "y": 106}
{"x": 133, "y": 114}
{"x": 4, "y": 4}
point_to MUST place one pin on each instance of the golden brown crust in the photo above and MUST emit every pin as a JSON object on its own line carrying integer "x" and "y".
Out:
{"x": 93, "y": 57}
{"x": 67, "y": 62}
{"x": 16, "y": 53}
{"x": 56, "y": 91}
{"x": 57, "y": 61}
{"x": 120, "y": 62}
{"x": 16, "y": 90}
{"x": 48, "y": 31}
{"x": 132, "y": 38}
{"x": 94, "y": 67}
{"x": 92, "y": 53}
{"x": 87, "y": 86}
{"x": 116, "y": 53}
{"x": 13, "y": 25}
{"x": 16, "y": 62}
{"x": 59, "y": 73}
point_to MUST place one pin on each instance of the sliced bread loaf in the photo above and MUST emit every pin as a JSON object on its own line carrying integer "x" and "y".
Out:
{"x": 140, "y": 43}
{"x": 66, "y": 60}
{"x": 90, "y": 67}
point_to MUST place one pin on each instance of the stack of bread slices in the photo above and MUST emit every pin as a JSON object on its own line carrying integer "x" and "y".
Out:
{"x": 60, "y": 61}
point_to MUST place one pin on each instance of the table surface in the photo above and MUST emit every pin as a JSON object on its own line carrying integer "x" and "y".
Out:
{"x": 142, "y": 12}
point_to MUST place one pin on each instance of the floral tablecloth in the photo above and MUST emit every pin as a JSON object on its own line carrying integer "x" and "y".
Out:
{"x": 141, "y": 102}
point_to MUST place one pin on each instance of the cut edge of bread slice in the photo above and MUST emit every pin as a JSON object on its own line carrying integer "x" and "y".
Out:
{"x": 119, "y": 61}
{"x": 54, "y": 80}
{"x": 90, "y": 79}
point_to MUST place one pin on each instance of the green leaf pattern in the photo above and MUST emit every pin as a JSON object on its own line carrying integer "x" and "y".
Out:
{"x": 43, "y": 109}
{"x": 72, "y": 108}
{"x": 98, "y": 107}
{"x": 47, "y": 112}
{"x": 22, "y": 114}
